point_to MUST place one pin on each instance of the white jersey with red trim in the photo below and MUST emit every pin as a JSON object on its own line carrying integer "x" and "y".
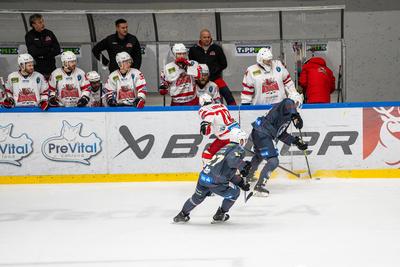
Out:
{"x": 220, "y": 119}
{"x": 69, "y": 87}
{"x": 266, "y": 87}
{"x": 181, "y": 83}
{"x": 125, "y": 88}
{"x": 210, "y": 88}
{"x": 96, "y": 99}
{"x": 27, "y": 91}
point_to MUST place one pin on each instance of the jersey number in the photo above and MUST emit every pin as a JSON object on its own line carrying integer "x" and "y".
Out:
{"x": 216, "y": 159}
{"x": 226, "y": 116}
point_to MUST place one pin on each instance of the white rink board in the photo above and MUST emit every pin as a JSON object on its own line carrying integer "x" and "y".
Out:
{"x": 115, "y": 154}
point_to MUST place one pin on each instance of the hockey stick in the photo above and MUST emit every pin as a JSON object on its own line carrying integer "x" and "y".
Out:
{"x": 164, "y": 62}
{"x": 245, "y": 192}
{"x": 280, "y": 166}
{"x": 339, "y": 85}
{"x": 305, "y": 155}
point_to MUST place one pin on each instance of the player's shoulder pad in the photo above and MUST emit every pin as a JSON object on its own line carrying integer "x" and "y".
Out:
{"x": 254, "y": 70}
{"x": 113, "y": 76}
{"x": 171, "y": 68}
{"x": 79, "y": 71}
{"x": 135, "y": 71}
{"x": 80, "y": 74}
{"x": 35, "y": 73}
{"x": 13, "y": 74}
{"x": 204, "y": 108}
{"x": 13, "y": 77}
{"x": 213, "y": 84}
{"x": 57, "y": 74}
{"x": 193, "y": 63}
{"x": 277, "y": 65}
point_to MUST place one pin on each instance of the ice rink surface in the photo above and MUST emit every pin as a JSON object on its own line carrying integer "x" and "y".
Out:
{"x": 330, "y": 222}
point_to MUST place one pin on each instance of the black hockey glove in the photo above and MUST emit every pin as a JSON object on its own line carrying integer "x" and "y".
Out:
{"x": 83, "y": 101}
{"x": 244, "y": 186}
{"x": 138, "y": 102}
{"x": 205, "y": 128}
{"x": 246, "y": 169}
{"x": 9, "y": 102}
{"x": 54, "y": 101}
{"x": 111, "y": 102}
{"x": 297, "y": 121}
{"x": 300, "y": 145}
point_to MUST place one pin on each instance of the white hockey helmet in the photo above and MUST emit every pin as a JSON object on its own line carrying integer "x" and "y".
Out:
{"x": 93, "y": 76}
{"x": 264, "y": 54}
{"x": 204, "y": 69}
{"x": 121, "y": 57}
{"x": 23, "y": 59}
{"x": 179, "y": 48}
{"x": 205, "y": 99}
{"x": 239, "y": 136}
{"x": 66, "y": 57}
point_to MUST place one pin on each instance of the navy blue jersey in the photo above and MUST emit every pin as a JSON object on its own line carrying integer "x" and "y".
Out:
{"x": 276, "y": 122}
{"x": 223, "y": 166}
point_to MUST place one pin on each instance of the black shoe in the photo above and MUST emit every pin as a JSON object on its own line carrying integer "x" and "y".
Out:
{"x": 220, "y": 216}
{"x": 260, "y": 190}
{"x": 181, "y": 217}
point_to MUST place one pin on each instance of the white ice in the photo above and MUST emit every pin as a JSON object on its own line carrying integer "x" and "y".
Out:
{"x": 331, "y": 222}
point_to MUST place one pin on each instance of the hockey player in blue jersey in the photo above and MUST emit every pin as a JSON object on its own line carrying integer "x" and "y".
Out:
{"x": 268, "y": 128}
{"x": 220, "y": 176}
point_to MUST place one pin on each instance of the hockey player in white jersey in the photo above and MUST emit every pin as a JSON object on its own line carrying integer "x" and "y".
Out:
{"x": 178, "y": 78}
{"x": 68, "y": 85}
{"x": 215, "y": 119}
{"x": 96, "y": 89}
{"x": 26, "y": 87}
{"x": 126, "y": 86}
{"x": 205, "y": 86}
{"x": 267, "y": 82}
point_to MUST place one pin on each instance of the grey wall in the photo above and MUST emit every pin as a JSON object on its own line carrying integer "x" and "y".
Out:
{"x": 373, "y": 55}
{"x": 156, "y": 4}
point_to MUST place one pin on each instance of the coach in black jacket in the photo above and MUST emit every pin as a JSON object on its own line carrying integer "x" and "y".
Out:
{"x": 119, "y": 42}
{"x": 206, "y": 52}
{"x": 42, "y": 45}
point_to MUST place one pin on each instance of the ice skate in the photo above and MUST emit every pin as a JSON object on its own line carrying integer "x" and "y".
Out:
{"x": 181, "y": 217}
{"x": 260, "y": 190}
{"x": 220, "y": 216}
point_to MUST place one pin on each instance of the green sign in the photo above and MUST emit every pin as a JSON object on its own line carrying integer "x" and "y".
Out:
{"x": 249, "y": 50}
{"x": 8, "y": 50}
{"x": 75, "y": 50}
{"x": 317, "y": 47}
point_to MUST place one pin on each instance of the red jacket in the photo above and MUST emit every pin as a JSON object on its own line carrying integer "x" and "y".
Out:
{"x": 317, "y": 81}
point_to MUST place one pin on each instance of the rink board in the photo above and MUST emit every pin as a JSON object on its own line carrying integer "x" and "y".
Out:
{"x": 163, "y": 144}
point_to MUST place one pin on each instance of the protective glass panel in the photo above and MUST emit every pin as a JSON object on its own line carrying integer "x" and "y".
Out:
{"x": 250, "y": 26}
{"x": 12, "y": 28}
{"x": 240, "y": 57}
{"x": 83, "y": 54}
{"x": 149, "y": 68}
{"x": 331, "y": 51}
{"x": 311, "y": 24}
{"x": 140, "y": 25}
{"x": 68, "y": 28}
{"x": 184, "y": 27}
{"x": 9, "y": 63}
